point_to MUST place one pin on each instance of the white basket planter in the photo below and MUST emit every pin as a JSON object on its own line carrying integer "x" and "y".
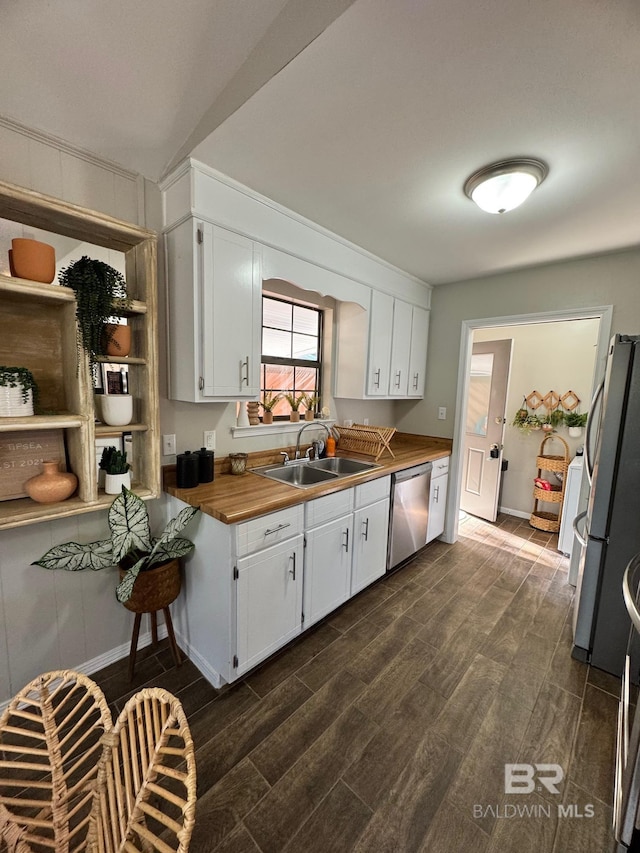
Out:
{"x": 12, "y": 404}
{"x": 113, "y": 483}
{"x": 575, "y": 432}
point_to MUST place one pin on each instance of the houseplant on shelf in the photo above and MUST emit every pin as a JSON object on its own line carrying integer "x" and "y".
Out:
{"x": 117, "y": 470}
{"x": 101, "y": 294}
{"x": 148, "y": 565}
{"x": 310, "y": 402}
{"x": 525, "y": 421}
{"x": 575, "y": 421}
{"x": 18, "y": 392}
{"x": 268, "y": 404}
{"x": 295, "y": 403}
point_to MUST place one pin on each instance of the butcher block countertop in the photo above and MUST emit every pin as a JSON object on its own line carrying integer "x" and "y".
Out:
{"x": 232, "y": 499}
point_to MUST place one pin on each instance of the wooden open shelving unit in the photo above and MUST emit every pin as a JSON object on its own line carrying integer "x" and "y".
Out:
{"x": 38, "y": 331}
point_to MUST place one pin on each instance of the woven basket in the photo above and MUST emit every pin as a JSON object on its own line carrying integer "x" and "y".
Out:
{"x": 549, "y": 522}
{"x": 553, "y": 463}
{"x": 155, "y": 589}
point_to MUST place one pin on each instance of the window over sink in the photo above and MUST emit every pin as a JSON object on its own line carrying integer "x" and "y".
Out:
{"x": 291, "y": 351}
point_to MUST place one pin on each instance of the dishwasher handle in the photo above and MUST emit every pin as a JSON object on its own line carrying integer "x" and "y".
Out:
{"x": 410, "y": 473}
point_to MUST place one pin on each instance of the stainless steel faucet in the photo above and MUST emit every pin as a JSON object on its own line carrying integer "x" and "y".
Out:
{"x": 302, "y": 429}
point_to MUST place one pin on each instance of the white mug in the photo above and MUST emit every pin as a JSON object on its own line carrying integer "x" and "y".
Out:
{"x": 117, "y": 409}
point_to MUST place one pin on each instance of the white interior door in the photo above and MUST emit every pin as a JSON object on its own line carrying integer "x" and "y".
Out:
{"x": 484, "y": 428}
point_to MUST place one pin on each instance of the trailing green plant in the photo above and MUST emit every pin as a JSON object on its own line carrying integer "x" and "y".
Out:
{"x": 19, "y": 377}
{"x": 295, "y": 402}
{"x": 130, "y": 546}
{"x": 114, "y": 461}
{"x": 270, "y": 401}
{"x": 525, "y": 421}
{"x": 555, "y": 418}
{"x": 575, "y": 419}
{"x": 101, "y": 294}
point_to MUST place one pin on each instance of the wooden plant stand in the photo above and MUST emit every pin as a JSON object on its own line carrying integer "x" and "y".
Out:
{"x": 542, "y": 519}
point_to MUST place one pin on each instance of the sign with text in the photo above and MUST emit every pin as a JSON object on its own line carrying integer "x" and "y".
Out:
{"x": 21, "y": 457}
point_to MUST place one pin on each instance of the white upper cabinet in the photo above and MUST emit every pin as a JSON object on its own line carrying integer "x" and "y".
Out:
{"x": 418, "y": 351}
{"x": 215, "y": 284}
{"x": 381, "y": 352}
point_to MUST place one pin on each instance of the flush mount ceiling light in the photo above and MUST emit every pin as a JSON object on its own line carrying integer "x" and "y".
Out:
{"x": 505, "y": 185}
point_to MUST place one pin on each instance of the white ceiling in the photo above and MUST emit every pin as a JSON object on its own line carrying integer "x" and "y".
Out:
{"x": 370, "y": 130}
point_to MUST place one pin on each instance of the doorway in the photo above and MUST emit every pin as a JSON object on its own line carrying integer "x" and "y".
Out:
{"x": 495, "y": 327}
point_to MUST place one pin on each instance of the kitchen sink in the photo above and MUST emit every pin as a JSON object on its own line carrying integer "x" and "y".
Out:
{"x": 342, "y": 465}
{"x": 304, "y": 474}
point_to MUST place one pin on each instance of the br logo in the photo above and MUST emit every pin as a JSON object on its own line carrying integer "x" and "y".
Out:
{"x": 525, "y": 778}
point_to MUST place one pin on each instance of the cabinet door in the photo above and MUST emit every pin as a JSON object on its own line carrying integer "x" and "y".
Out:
{"x": 268, "y": 602}
{"x": 437, "y": 506}
{"x": 400, "y": 346}
{"x": 327, "y": 568}
{"x": 231, "y": 316}
{"x": 418, "y": 354}
{"x": 380, "y": 332}
{"x": 370, "y": 532}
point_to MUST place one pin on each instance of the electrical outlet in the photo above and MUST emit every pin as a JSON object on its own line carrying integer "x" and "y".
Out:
{"x": 168, "y": 445}
{"x": 209, "y": 439}
{"x": 365, "y": 421}
{"x": 442, "y": 413}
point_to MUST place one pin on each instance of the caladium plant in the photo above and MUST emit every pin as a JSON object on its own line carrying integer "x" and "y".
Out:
{"x": 131, "y": 546}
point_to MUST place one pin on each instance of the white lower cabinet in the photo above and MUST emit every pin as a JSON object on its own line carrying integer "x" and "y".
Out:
{"x": 438, "y": 498}
{"x": 268, "y": 601}
{"x": 327, "y": 568}
{"x": 370, "y": 533}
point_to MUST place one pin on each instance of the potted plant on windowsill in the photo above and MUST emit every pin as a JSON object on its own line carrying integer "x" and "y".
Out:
{"x": 117, "y": 470}
{"x": 310, "y": 402}
{"x": 18, "y": 391}
{"x": 149, "y": 567}
{"x": 268, "y": 404}
{"x": 575, "y": 421}
{"x": 295, "y": 403}
{"x": 101, "y": 294}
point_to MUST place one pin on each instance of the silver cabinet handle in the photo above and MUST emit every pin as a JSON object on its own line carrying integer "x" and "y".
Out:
{"x": 277, "y": 529}
{"x": 398, "y": 375}
{"x": 345, "y": 544}
{"x": 376, "y": 378}
{"x": 629, "y": 579}
{"x": 415, "y": 381}
{"x": 244, "y": 365}
{"x": 436, "y": 494}
{"x": 574, "y": 524}
{"x": 588, "y": 464}
{"x": 292, "y": 571}
{"x": 365, "y": 532}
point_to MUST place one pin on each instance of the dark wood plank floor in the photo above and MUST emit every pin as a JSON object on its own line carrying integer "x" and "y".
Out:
{"x": 387, "y": 727}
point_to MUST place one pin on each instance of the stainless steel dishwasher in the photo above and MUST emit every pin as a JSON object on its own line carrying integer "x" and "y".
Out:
{"x": 409, "y": 513}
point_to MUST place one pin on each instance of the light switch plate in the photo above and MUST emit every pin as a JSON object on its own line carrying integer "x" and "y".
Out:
{"x": 442, "y": 413}
{"x": 168, "y": 445}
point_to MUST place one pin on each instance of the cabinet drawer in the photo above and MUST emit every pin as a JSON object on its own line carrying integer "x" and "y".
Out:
{"x": 440, "y": 467}
{"x": 268, "y": 530}
{"x": 374, "y": 490}
{"x": 321, "y": 510}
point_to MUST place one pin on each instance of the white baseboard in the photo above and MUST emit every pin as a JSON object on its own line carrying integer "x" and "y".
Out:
{"x": 99, "y": 662}
{"x": 212, "y": 675}
{"x": 517, "y": 512}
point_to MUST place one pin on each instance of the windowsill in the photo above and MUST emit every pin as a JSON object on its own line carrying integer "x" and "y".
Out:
{"x": 276, "y": 428}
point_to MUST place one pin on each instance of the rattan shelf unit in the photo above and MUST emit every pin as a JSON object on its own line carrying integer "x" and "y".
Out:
{"x": 547, "y": 520}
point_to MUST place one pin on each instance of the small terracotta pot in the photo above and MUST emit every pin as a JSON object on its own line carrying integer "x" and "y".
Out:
{"x": 294, "y": 417}
{"x": 156, "y": 588}
{"x": 309, "y": 415}
{"x": 118, "y": 339}
{"x": 33, "y": 260}
{"x": 267, "y": 417}
{"x": 12, "y": 269}
{"x": 52, "y": 485}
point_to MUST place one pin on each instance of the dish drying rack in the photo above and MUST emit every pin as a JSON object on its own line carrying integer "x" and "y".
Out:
{"x": 369, "y": 440}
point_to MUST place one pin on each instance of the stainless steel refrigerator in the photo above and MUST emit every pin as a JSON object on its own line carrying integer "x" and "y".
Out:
{"x": 612, "y": 527}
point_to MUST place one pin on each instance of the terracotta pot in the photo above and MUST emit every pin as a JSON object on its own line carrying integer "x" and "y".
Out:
{"x": 118, "y": 339}
{"x": 52, "y": 485}
{"x": 267, "y": 417}
{"x": 33, "y": 260}
{"x": 294, "y": 417}
{"x": 156, "y": 588}
{"x": 309, "y": 415}
{"x": 12, "y": 269}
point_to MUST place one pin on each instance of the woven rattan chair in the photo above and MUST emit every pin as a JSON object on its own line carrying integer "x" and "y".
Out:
{"x": 71, "y": 781}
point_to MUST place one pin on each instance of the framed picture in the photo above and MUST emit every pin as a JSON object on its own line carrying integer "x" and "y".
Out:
{"x": 21, "y": 457}
{"x": 115, "y": 378}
